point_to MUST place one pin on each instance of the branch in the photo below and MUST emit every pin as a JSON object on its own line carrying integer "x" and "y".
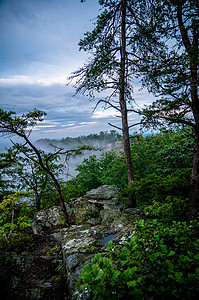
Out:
{"x": 183, "y": 30}
{"x": 114, "y": 126}
{"x": 139, "y": 123}
{"x": 106, "y": 102}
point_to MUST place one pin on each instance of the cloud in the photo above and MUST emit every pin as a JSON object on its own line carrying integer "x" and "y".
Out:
{"x": 105, "y": 114}
{"x": 28, "y": 80}
{"x": 38, "y": 51}
{"x": 41, "y": 37}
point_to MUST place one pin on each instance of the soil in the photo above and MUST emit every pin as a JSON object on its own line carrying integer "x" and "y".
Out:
{"x": 41, "y": 277}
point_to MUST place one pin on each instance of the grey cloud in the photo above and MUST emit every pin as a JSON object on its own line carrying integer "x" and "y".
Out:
{"x": 39, "y": 42}
{"x": 45, "y": 31}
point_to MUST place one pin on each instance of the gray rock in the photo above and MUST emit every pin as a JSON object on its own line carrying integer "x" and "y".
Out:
{"x": 47, "y": 219}
{"x": 99, "y": 219}
{"x": 103, "y": 192}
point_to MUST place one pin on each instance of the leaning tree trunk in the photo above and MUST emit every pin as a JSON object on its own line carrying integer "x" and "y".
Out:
{"x": 47, "y": 170}
{"x": 123, "y": 107}
{"x": 38, "y": 202}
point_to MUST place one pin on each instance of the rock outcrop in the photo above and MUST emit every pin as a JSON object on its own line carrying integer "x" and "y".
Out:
{"x": 98, "y": 218}
{"x": 47, "y": 219}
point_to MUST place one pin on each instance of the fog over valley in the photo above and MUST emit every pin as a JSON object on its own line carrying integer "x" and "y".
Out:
{"x": 101, "y": 143}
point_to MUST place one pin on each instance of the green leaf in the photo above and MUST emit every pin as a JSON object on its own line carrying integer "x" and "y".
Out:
{"x": 171, "y": 253}
{"x": 86, "y": 277}
{"x": 99, "y": 275}
{"x": 164, "y": 249}
{"x": 115, "y": 275}
{"x": 179, "y": 277}
{"x": 131, "y": 283}
{"x": 196, "y": 256}
{"x": 88, "y": 268}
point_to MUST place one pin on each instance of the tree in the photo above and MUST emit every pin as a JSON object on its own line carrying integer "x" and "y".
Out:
{"x": 22, "y": 127}
{"x": 169, "y": 62}
{"x": 109, "y": 67}
{"x": 26, "y": 174}
{"x": 6, "y": 161}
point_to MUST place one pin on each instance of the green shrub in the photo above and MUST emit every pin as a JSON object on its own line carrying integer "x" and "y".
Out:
{"x": 159, "y": 262}
{"x": 17, "y": 242}
{"x": 89, "y": 176}
{"x": 108, "y": 169}
{"x": 11, "y": 215}
{"x": 71, "y": 189}
{"x": 155, "y": 187}
{"x": 173, "y": 209}
{"x": 163, "y": 153}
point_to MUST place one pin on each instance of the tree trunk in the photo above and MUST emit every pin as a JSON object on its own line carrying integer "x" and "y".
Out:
{"x": 192, "y": 51}
{"x": 61, "y": 200}
{"x": 47, "y": 170}
{"x": 38, "y": 202}
{"x": 194, "y": 199}
{"x": 123, "y": 107}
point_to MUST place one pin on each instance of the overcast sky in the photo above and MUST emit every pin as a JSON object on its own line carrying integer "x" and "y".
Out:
{"x": 38, "y": 51}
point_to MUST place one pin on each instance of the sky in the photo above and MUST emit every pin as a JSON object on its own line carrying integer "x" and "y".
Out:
{"x": 38, "y": 52}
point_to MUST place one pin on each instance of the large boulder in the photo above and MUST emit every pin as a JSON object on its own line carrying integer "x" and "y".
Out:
{"x": 97, "y": 206}
{"x": 79, "y": 245}
{"x": 47, "y": 219}
{"x": 103, "y": 192}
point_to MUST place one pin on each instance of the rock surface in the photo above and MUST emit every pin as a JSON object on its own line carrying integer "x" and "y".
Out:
{"x": 97, "y": 218}
{"x": 103, "y": 192}
{"x": 47, "y": 219}
{"x": 36, "y": 274}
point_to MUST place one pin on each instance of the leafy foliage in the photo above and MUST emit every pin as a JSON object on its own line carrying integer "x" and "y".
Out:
{"x": 162, "y": 166}
{"x": 11, "y": 217}
{"x": 173, "y": 208}
{"x": 157, "y": 262}
{"x": 15, "y": 223}
{"x": 157, "y": 187}
{"x": 108, "y": 169}
{"x": 165, "y": 153}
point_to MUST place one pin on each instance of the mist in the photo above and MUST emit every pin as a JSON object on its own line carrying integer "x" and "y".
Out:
{"x": 102, "y": 142}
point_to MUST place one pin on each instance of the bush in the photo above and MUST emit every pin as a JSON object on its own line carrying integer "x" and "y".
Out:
{"x": 155, "y": 187}
{"x": 108, "y": 169}
{"x": 17, "y": 242}
{"x": 163, "y": 153}
{"x": 11, "y": 215}
{"x": 173, "y": 209}
{"x": 157, "y": 263}
{"x": 89, "y": 176}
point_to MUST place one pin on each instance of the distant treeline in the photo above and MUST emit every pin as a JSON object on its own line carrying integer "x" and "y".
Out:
{"x": 104, "y": 136}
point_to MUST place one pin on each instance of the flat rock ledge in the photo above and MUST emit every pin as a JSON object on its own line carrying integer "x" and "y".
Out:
{"x": 98, "y": 218}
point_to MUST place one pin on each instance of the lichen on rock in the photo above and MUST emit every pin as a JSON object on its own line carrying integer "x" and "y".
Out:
{"x": 97, "y": 218}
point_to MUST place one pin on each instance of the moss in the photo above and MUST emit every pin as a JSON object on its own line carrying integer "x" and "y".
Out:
{"x": 48, "y": 251}
{"x": 17, "y": 242}
{"x": 89, "y": 248}
{"x": 91, "y": 215}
